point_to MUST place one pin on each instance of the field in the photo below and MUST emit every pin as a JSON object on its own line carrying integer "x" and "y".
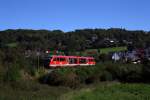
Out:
{"x": 104, "y": 50}
{"x": 100, "y": 91}
{"x": 111, "y": 91}
{"x": 30, "y": 91}
{"x": 113, "y": 49}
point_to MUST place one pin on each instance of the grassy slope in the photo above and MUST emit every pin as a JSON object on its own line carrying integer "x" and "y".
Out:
{"x": 12, "y": 44}
{"x": 113, "y": 49}
{"x": 107, "y": 50}
{"x": 111, "y": 91}
{"x": 99, "y": 91}
{"x": 30, "y": 91}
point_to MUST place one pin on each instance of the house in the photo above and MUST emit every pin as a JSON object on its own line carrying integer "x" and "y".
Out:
{"x": 116, "y": 57}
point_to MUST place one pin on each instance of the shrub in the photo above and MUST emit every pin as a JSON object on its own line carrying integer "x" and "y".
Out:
{"x": 53, "y": 79}
{"x": 1, "y": 74}
{"x": 146, "y": 71}
{"x": 72, "y": 77}
{"x": 92, "y": 79}
{"x": 88, "y": 74}
{"x": 12, "y": 74}
{"x": 106, "y": 76}
{"x": 57, "y": 79}
{"x": 125, "y": 72}
{"x": 109, "y": 71}
{"x": 71, "y": 80}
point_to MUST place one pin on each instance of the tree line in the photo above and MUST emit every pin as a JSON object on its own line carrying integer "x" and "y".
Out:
{"x": 72, "y": 41}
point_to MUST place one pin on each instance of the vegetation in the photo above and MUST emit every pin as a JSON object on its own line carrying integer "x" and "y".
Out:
{"x": 111, "y": 91}
{"x": 104, "y": 91}
{"x": 29, "y": 90}
{"x": 23, "y": 77}
{"x": 77, "y": 40}
{"x": 112, "y": 49}
{"x": 108, "y": 71}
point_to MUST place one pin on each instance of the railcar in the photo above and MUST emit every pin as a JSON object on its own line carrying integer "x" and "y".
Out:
{"x": 57, "y": 61}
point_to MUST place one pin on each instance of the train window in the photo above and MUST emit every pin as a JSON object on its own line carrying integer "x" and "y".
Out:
{"x": 62, "y": 59}
{"x": 56, "y": 59}
{"x": 82, "y": 61}
{"x": 91, "y": 60}
{"x": 73, "y": 60}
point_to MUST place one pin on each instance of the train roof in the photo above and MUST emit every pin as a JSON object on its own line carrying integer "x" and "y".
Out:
{"x": 72, "y": 56}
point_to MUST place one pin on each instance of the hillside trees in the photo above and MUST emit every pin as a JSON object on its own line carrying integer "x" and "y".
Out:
{"x": 75, "y": 40}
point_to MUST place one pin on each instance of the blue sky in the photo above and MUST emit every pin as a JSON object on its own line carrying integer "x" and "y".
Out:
{"x": 68, "y": 15}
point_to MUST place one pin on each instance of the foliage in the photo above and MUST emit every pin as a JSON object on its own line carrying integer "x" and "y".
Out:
{"x": 75, "y": 40}
{"x": 111, "y": 91}
{"x": 12, "y": 74}
{"x": 112, "y": 49}
{"x": 124, "y": 72}
{"x": 16, "y": 63}
{"x": 30, "y": 90}
{"x": 146, "y": 70}
{"x": 107, "y": 71}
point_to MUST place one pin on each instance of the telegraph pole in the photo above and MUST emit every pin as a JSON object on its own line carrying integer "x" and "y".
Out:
{"x": 38, "y": 58}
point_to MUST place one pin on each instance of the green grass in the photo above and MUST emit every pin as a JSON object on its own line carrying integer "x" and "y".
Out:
{"x": 113, "y": 49}
{"x": 30, "y": 91}
{"x": 102, "y": 51}
{"x": 97, "y": 91}
{"x": 105, "y": 50}
{"x": 111, "y": 91}
{"x": 12, "y": 44}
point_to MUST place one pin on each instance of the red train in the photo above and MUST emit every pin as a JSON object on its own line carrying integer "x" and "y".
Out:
{"x": 56, "y": 61}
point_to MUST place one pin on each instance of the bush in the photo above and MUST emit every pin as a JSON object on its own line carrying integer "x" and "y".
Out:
{"x": 12, "y": 74}
{"x": 53, "y": 78}
{"x": 125, "y": 72}
{"x": 71, "y": 80}
{"x": 109, "y": 71}
{"x": 57, "y": 79}
{"x": 72, "y": 77}
{"x": 146, "y": 71}
{"x": 92, "y": 79}
{"x": 106, "y": 76}
{"x": 88, "y": 74}
{"x": 1, "y": 74}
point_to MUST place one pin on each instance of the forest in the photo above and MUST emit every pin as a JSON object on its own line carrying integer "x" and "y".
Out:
{"x": 75, "y": 40}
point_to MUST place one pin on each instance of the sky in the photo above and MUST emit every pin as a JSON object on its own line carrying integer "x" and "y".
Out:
{"x": 68, "y": 15}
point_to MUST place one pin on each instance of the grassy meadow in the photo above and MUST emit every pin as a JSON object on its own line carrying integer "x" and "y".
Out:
{"x": 103, "y": 50}
{"x": 111, "y": 91}
{"x": 101, "y": 91}
{"x": 112, "y": 49}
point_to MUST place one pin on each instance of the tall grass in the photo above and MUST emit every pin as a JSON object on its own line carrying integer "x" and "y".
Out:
{"x": 111, "y": 91}
{"x": 113, "y": 49}
{"x": 30, "y": 91}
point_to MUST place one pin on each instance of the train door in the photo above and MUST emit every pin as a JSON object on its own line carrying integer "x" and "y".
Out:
{"x": 73, "y": 61}
{"x": 91, "y": 61}
{"x": 63, "y": 61}
{"x": 83, "y": 61}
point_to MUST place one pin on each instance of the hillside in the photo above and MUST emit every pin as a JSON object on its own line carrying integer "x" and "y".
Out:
{"x": 23, "y": 75}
